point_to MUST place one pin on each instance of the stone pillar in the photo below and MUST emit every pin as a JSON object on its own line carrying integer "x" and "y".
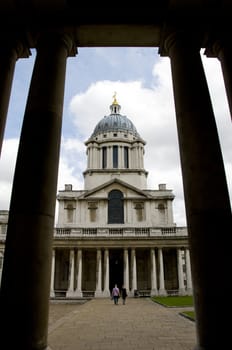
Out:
{"x": 70, "y": 291}
{"x": 188, "y": 272}
{"x": 52, "y": 293}
{"x": 222, "y": 49}
{"x": 126, "y": 270}
{"x": 98, "y": 292}
{"x": 9, "y": 53}
{"x": 153, "y": 273}
{"x": 180, "y": 272}
{"x": 109, "y": 157}
{"x": 205, "y": 188}
{"x": 162, "y": 290}
{"x": 134, "y": 271}
{"x": 78, "y": 291}
{"x": 28, "y": 249}
{"x": 106, "y": 292}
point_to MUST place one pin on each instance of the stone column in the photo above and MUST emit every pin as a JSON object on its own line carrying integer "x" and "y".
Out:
{"x": 153, "y": 273}
{"x": 70, "y": 291}
{"x": 109, "y": 157}
{"x": 180, "y": 272}
{"x": 205, "y": 188}
{"x": 78, "y": 291}
{"x": 134, "y": 271}
{"x": 98, "y": 292}
{"x": 222, "y": 49}
{"x": 188, "y": 272}
{"x": 106, "y": 292}
{"x": 126, "y": 270}
{"x": 28, "y": 249}
{"x": 9, "y": 53}
{"x": 162, "y": 290}
{"x": 52, "y": 293}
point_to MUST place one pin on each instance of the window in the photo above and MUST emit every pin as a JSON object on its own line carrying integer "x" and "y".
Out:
{"x": 126, "y": 157}
{"x": 115, "y": 207}
{"x": 104, "y": 157}
{"x": 115, "y": 156}
{"x": 70, "y": 211}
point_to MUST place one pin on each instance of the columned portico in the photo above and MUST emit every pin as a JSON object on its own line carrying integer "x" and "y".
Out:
{"x": 129, "y": 271}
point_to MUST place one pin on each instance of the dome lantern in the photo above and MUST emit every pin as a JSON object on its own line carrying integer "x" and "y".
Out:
{"x": 115, "y": 107}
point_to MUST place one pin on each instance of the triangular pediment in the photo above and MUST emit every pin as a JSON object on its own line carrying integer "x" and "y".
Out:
{"x": 104, "y": 189}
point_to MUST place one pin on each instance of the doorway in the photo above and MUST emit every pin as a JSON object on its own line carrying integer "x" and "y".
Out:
{"x": 116, "y": 268}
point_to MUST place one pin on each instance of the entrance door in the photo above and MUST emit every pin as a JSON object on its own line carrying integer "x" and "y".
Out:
{"x": 116, "y": 268}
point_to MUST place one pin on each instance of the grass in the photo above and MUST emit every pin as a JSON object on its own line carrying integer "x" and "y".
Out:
{"x": 177, "y": 301}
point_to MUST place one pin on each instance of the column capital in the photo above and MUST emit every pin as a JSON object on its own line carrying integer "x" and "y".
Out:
{"x": 56, "y": 39}
{"x": 215, "y": 47}
{"x": 181, "y": 38}
{"x": 18, "y": 46}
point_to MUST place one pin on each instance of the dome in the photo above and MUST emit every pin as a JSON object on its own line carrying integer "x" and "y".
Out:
{"x": 115, "y": 122}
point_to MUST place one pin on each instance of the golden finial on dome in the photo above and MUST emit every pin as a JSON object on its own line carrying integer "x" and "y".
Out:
{"x": 115, "y": 102}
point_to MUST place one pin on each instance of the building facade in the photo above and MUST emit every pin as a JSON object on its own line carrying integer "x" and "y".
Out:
{"x": 116, "y": 230}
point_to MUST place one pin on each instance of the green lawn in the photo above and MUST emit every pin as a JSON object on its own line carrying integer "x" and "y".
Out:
{"x": 177, "y": 301}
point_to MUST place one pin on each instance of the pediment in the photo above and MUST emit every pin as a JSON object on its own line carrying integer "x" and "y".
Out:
{"x": 128, "y": 190}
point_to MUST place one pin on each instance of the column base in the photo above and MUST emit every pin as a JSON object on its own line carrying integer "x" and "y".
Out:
{"x": 162, "y": 292}
{"x": 189, "y": 291}
{"x": 98, "y": 294}
{"x": 52, "y": 294}
{"x": 182, "y": 291}
{"x": 78, "y": 294}
{"x": 154, "y": 292}
{"x": 106, "y": 293}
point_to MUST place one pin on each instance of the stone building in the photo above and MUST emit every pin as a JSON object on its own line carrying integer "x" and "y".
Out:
{"x": 116, "y": 230}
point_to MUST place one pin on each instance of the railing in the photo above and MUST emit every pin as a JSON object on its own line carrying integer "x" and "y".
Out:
{"x": 121, "y": 232}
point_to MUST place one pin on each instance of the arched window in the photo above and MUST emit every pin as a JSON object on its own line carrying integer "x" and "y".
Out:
{"x": 115, "y": 207}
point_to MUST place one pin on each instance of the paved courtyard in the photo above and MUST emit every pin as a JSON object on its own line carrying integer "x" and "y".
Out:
{"x": 98, "y": 324}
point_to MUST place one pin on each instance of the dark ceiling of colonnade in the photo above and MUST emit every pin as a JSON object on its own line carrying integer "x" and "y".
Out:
{"x": 113, "y": 24}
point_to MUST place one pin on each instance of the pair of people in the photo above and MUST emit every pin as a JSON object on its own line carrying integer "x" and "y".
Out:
{"x": 116, "y": 294}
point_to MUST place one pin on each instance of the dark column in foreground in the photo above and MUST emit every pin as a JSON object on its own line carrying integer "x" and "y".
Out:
{"x": 10, "y": 51}
{"x": 25, "y": 286}
{"x": 206, "y": 194}
{"x": 223, "y": 51}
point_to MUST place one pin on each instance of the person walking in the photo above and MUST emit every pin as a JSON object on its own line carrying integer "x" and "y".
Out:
{"x": 124, "y": 295}
{"x": 115, "y": 294}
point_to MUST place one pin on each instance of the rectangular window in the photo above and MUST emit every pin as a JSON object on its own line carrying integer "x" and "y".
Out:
{"x": 126, "y": 157}
{"x": 104, "y": 157}
{"x": 115, "y": 156}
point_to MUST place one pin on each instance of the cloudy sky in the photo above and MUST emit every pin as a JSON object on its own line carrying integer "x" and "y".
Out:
{"x": 143, "y": 84}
